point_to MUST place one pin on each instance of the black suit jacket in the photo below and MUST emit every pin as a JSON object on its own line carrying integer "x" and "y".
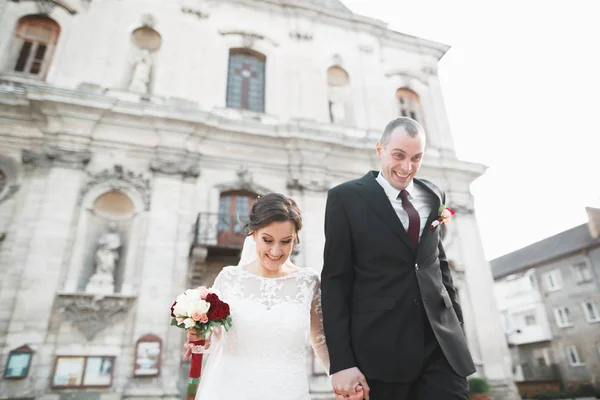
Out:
{"x": 374, "y": 285}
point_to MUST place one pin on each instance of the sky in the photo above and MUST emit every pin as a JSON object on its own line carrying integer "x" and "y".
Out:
{"x": 521, "y": 84}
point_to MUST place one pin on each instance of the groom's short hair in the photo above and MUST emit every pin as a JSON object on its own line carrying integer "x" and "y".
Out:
{"x": 412, "y": 128}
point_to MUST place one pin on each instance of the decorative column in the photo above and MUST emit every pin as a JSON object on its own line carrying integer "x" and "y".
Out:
{"x": 308, "y": 187}
{"x": 54, "y": 178}
{"x": 482, "y": 319}
{"x": 163, "y": 272}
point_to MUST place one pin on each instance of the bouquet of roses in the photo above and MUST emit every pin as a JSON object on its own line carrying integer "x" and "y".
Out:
{"x": 199, "y": 310}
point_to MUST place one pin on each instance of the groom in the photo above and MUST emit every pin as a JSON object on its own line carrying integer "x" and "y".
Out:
{"x": 392, "y": 320}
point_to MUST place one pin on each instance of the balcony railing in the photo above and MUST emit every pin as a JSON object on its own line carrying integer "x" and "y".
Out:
{"x": 221, "y": 230}
{"x": 540, "y": 373}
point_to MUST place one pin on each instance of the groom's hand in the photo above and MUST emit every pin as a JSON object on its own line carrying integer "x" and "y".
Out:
{"x": 350, "y": 384}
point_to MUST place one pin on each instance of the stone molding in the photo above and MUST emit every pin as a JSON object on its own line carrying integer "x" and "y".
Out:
{"x": 194, "y": 11}
{"x": 244, "y": 182}
{"x": 45, "y": 7}
{"x": 187, "y": 166}
{"x": 309, "y": 185}
{"x": 119, "y": 178}
{"x": 90, "y": 313}
{"x": 53, "y": 155}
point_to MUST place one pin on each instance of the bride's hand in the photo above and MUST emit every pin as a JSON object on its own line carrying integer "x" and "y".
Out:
{"x": 192, "y": 337}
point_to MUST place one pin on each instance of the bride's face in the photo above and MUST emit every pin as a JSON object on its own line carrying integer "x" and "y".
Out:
{"x": 274, "y": 244}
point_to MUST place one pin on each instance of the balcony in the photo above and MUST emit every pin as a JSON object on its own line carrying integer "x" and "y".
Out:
{"x": 216, "y": 236}
{"x": 218, "y": 240}
{"x": 540, "y": 373}
{"x": 219, "y": 230}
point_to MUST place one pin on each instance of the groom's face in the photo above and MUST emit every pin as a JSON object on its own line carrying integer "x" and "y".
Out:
{"x": 401, "y": 157}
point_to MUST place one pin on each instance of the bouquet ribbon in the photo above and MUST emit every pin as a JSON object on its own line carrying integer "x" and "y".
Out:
{"x": 195, "y": 371}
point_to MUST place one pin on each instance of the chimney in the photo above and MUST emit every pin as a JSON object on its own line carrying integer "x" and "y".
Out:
{"x": 593, "y": 221}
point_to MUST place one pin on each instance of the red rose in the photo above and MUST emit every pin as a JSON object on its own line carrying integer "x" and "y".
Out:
{"x": 212, "y": 298}
{"x": 172, "y": 309}
{"x": 226, "y": 309}
{"x": 218, "y": 311}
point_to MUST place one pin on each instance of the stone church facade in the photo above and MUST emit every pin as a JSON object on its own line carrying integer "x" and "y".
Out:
{"x": 132, "y": 134}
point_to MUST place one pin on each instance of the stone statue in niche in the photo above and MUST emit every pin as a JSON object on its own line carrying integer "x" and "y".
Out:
{"x": 140, "y": 79}
{"x": 106, "y": 260}
{"x": 337, "y": 107}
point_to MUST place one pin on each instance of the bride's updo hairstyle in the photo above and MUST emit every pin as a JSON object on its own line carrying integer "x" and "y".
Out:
{"x": 273, "y": 207}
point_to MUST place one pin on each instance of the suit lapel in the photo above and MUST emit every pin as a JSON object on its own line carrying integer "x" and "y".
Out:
{"x": 374, "y": 195}
{"x": 434, "y": 212}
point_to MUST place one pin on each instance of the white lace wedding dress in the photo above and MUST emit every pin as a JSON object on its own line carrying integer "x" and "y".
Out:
{"x": 265, "y": 355}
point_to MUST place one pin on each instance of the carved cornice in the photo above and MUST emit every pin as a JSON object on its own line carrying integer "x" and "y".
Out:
{"x": 118, "y": 178}
{"x": 249, "y": 38}
{"x": 308, "y": 185}
{"x": 51, "y": 155}
{"x": 90, "y": 313}
{"x": 301, "y": 36}
{"x": 244, "y": 182}
{"x": 421, "y": 76}
{"x": 45, "y": 7}
{"x": 188, "y": 167}
{"x": 193, "y": 11}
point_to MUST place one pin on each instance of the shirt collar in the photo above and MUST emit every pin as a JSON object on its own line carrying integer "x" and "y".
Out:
{"x": 390, "y": 191}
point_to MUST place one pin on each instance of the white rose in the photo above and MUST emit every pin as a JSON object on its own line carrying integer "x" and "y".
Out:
{"x": 182, "y": 307}
{"x": 200, "y": 307}
{"x": 193, "y": 294}
{"x": 188, "y": 322}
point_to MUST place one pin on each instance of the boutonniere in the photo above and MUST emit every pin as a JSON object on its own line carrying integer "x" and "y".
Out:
{"x": 444, "y": 216}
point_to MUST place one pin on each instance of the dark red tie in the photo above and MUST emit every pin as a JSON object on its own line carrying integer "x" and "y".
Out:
{"x": 414, "y": 221}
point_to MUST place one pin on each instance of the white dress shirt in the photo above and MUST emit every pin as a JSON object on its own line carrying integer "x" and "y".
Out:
{"x": 421, "y": 199}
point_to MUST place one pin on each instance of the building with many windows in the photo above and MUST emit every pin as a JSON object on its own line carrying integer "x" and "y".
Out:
{"x": 548, "y": 294}
{"x": 134, "y": 133}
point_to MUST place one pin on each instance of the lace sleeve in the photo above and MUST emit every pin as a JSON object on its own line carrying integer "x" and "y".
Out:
{"x": 317, "y": 334}
{"x": 217, "y": 285}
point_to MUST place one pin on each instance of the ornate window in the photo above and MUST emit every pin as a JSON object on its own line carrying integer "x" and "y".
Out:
{"x": 246, "y": 80}
{"x": 338, "y": 83}
{"x": 409, "y": 104}
{"x": 233, "y": 208}
{"x": 34, "y": 43}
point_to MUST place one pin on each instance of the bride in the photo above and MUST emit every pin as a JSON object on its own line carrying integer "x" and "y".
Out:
{"x": 275, "y": 309}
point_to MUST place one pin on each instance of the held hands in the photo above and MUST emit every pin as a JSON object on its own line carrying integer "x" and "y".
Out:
{"x": 192, "y": 337}
{"x": 350, "y": 384}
